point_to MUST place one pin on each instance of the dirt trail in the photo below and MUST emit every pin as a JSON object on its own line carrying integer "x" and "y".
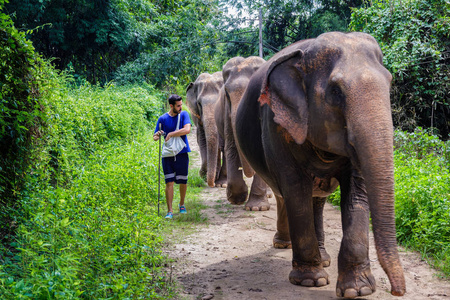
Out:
{"x": 233, "y": 257}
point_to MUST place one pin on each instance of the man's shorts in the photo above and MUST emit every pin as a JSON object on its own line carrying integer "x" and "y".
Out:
{"x": 176, "y": 168}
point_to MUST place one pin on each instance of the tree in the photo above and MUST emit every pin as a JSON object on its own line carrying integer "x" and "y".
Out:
{"x": 92, "y": 36}
{"x": 415, "y": 40}
{"x": 21, "y": 114}
{"x": 288, "y": 21}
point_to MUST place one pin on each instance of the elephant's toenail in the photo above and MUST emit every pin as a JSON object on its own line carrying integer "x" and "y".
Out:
{"x": 338, "y": 293}
{"x": 350, "y": 293}
{"x": 365, "y": 291}
{"x": 321, "y": 282}
{"x": 307, "y": 282}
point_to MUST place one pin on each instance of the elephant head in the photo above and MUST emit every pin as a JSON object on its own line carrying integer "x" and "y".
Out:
{"x": 331, "y": 94}
{"x": 201, "y": 97}
{"x": 236, "y": 75}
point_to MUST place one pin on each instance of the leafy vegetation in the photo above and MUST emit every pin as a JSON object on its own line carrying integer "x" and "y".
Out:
{"x": 88, "y": 227}
{"x": 21, "y": 114}
{"x": 284, "y": 22}
{"x": 422, "y": 196}
{"x": 414, "y": 36}
{"x": 78, "y": 169}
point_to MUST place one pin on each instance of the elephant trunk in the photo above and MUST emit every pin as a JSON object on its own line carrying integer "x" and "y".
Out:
{"x": 246, "y": 168}
{"x": 373, "y": 146}
{"x": 212, "y": 149}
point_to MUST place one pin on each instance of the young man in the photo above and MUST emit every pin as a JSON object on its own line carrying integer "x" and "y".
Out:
{"x": 175, "y": 168}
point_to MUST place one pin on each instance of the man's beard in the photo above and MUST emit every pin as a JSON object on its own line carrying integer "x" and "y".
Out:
{"x": 175, "y": 112}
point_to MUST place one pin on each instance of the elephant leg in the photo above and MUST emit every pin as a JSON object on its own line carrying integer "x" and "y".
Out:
{"x": 201, "y": 140}
{"x": 221, "y": 178}
{"x": 306, "y": 260}
{"x": 237, "y": 190}
{"x": 257, "y": 201}
{"x": 319, "y": 203}
{"x": 355, "y": 277}
{"x": 282, "y": 239}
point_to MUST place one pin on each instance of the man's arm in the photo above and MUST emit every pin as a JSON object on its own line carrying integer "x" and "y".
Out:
{"x": 183, "y": 131}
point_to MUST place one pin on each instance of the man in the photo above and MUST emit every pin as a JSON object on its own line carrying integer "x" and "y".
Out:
{"x": 175, "y": 168}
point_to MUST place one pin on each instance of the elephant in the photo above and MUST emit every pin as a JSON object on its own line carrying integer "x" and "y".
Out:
{"x": 320, "y": 110}
{"x": 201, "y": 97}
{"x": 236, "y": 74}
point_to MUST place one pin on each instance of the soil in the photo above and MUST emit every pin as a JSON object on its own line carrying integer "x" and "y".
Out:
{"x": 233, "y": 258}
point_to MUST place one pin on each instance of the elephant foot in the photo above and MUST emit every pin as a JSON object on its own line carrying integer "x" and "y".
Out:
{"x": 257, "y": 203}
{"x": 309, "y": 276}
{"x": 355, "y": 283}
{"x": 237, "y": 199}
{"x": 280, "y": 242}
{"x": 221, "y": 181}
{"x": 326, "y": 258}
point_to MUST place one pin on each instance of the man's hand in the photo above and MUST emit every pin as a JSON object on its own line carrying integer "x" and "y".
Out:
{"x": 157, "y": 135}
{"x": 169, "y": 135}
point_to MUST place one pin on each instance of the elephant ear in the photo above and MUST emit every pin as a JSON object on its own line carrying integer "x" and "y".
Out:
{"x": 282, "y": 89}
{"x": 191, "y": 97}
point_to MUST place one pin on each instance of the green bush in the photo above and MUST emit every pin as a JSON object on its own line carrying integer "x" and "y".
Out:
{"x": 421, "y": 143}
{"x": 88, "y": 227}
{"x": 422, "y": 203}
{"x": 414, "y": 37}
{"x": 21, "y": 114}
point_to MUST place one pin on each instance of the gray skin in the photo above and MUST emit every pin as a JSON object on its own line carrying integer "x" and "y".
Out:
{"x": 320, "y": 109}
{"x": 201, "y": 97}
{"x": 236, "y": 75}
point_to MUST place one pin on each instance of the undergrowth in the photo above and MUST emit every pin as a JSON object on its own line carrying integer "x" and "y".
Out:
{"x": 88, "y": 226}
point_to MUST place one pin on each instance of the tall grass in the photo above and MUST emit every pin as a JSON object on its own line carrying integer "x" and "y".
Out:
{"x": 422, "y": 195}
{"x": 88, "y": 226}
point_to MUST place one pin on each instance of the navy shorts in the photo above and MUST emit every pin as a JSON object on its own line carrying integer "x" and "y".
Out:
{"x": 176, "y": 168}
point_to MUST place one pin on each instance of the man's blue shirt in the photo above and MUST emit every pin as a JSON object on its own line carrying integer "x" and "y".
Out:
{"x": 169, "y": 124}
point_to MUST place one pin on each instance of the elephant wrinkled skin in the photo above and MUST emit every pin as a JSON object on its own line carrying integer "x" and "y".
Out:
{"x": 320, "y": 108}
{"x": 236, "y": 75}
{"x": 201, "y": 97}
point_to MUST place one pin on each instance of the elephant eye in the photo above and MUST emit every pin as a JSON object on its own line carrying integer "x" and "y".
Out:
{"x": 336, "y": 96}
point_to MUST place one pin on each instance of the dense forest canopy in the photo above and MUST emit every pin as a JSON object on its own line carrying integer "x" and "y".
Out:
{"x": 168, "y": 43}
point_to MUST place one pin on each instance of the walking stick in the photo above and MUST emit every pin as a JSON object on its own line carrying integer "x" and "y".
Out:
{"x": 159, "y": 167}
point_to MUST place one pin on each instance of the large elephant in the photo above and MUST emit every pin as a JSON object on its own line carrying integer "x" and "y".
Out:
{"x": 201, "y": 97}
{"x": 320, "y": 109}
{"x": 236, "y": 75}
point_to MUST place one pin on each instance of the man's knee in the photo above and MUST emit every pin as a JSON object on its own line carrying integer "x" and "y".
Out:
{"x": 170, "y": 184}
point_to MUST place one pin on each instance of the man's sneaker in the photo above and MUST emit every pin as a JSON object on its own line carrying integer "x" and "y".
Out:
{"x": 169, "y": 215}
{"x": 182, "y": 209}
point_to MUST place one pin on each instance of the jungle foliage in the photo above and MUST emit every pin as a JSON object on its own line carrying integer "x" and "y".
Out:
{"x": 414, "y": 36}
{"x": 130, "y": 41}
{"x": 87, "y": 227}
{"x": 22, "y": 114}
{"x": 77, "y": 173}
{"x": 284, "y": 22}
{"x": 422, "y": 195}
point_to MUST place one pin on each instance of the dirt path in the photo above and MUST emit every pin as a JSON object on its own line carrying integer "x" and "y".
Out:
{"x": 233, "y": 257}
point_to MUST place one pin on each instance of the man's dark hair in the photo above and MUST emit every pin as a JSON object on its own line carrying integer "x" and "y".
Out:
{"x": 174, "y": 98}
